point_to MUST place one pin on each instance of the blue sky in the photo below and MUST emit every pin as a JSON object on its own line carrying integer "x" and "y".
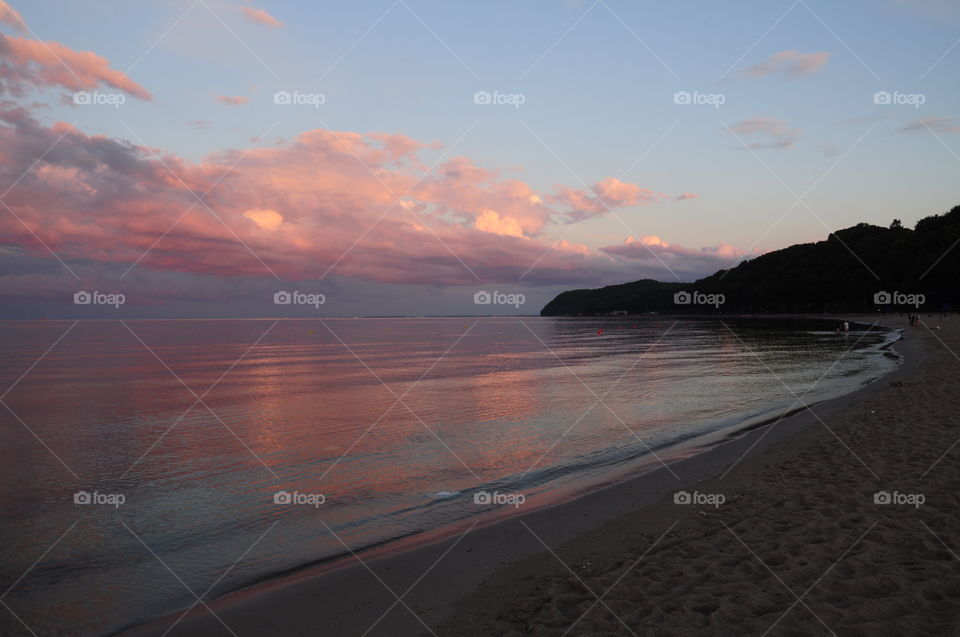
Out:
{"x": 597, "y": 81}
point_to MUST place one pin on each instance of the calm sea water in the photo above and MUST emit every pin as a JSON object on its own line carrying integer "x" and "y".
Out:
{"x": 395, "y": 424}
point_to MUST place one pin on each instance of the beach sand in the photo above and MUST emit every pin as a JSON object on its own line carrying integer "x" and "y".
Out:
{"x": 799, "y": 546}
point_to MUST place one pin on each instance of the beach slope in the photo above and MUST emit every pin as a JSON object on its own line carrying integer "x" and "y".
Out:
{"x": 848, "y": 527}
{"x": 842, "y": 519}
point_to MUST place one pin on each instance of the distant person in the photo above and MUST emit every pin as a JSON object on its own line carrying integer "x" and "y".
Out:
{"x": 846, "y": 326}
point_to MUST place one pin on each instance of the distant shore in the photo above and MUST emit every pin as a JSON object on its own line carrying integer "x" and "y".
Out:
{"x": 501, "y": 578}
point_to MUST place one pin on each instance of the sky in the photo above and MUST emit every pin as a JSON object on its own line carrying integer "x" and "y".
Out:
{"x": 233, "y": 158}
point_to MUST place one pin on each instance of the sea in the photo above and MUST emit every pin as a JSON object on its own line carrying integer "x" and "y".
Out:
{"x": 145, "y": 463}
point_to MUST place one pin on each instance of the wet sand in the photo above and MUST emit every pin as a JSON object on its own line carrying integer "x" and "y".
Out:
{"x": 799, "y": 546}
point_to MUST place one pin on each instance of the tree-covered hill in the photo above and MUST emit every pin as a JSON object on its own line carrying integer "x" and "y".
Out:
{"x": 848, "y": 272}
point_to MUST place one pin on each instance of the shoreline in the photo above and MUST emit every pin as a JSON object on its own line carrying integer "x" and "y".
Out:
{"x": 816, "y": 534}
{"x": 289, "y": 603}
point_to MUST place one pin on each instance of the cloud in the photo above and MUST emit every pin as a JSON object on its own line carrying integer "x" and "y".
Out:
{"x": 685, "y": 195}
{"x": 229, "y": 100}
{"x": 265, "y": 219}
{"x": 260, "y": 16}
{"x": 200, "y": 124}
{"x": 604, "y": 196}
{"x": 935, "y": 124}
{"x": 790, "y": 64}
{"x": 10, "y": 17}
{"x": 325, "y": 201}
{"x": 686, "y": 262}
{"x": 300, "y": 206}
{"x": 491, "y": 221}
{"x": 26, "y": 64}
{"x": 778, "y": 134}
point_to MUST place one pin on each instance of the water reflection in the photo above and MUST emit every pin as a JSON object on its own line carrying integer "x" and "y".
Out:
{"x": 507, "y": 407}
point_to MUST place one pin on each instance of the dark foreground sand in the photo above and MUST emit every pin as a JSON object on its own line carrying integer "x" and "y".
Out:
{"x": 799, "y": 546}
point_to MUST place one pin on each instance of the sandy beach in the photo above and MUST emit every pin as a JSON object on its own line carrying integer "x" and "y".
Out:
{"x": 841, "y": 519}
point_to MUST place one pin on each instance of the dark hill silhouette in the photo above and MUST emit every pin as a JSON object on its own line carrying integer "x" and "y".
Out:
{"x": 845, "y": 273}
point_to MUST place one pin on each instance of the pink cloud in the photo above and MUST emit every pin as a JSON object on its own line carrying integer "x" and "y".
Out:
{"x": 653, "y": 250}
{"x": 791, "y": 64}
{"x": 776, "y": 132}
{"x": 685, "y": 195}
{"x": 935, "y": 124}
{"x": 30, "y": 63}
{"x": 10, "y": 17}
{"x": 261, "y": 17}
{"x": 265, "y": 219}
{"x": 608, "y": 194}
{"x": 299, "y": 206}
{"x": 491, "y": 221}
{"x": 322, "y": 202}
{"x": 230, "y": 100}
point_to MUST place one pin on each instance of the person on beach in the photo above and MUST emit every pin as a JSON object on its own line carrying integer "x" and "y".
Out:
{"x": 846, "y": 326}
